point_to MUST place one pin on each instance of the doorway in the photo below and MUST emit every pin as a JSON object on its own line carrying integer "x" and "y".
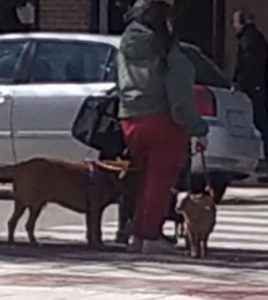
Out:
{"x": 203, "y": 23}
{"x": 116, "y": 11}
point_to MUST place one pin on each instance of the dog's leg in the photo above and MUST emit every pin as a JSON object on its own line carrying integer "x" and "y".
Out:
{"x": 182, "y": 230}
{"x": 88, "y": 228}
{"x": 30, "y": 225}
{"x": 89, "y": 213}
{"x": 187, "y": 241}
{"x": 12, "y": 223}
{"x": 93, "y": 216}
{"x": 93, "y": 224}
{"x": 96, "y": 241}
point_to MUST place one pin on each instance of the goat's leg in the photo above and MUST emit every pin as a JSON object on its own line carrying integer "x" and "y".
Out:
{"x": 195, "y": 246}
{"x": 204, "y": 247}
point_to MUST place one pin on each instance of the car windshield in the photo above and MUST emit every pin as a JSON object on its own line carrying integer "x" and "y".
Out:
{"x": 207, "y": 73}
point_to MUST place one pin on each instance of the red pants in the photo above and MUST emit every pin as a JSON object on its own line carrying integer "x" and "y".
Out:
{"x": 158, "y": 147}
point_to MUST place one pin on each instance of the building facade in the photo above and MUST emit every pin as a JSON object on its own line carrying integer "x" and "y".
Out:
{"x": 207, "y": 23}
{"x": 63, "y": 15}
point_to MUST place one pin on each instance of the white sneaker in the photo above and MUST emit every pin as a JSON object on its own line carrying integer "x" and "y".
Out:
{"x": 159, "y": 246}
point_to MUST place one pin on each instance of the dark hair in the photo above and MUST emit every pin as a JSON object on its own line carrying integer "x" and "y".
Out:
{"x": 245, "y": 16}
{"x": 154, "y": 15}
{"x": 151, "y": 13}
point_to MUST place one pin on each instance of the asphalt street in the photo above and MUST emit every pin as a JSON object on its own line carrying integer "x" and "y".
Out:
{"x": 63, "y": 267}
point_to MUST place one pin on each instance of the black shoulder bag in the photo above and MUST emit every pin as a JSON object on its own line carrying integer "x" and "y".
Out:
{"x": 97, "y": 125}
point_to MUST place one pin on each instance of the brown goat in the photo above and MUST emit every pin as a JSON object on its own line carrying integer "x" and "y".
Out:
{"x": 40, "y": 181}
{"x": 199, "y": 213}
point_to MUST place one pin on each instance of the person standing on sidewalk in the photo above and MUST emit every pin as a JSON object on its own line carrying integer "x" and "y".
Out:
{"x": 251, "y": 71}
{"x": 157, "y": 114}
{"x": 26, "y": 14}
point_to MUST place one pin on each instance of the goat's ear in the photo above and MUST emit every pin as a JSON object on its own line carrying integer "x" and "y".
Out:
{"x": 181, "y": 200}
{"x": 210, "y": 191}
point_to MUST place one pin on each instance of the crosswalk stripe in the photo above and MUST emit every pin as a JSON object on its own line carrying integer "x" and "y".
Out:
{"x": 253, "y": 214}
{"x": 238, "y": 227}
{"x": 241, "y": 229}
{"x": 242, "y": 208}
{"x": 237, "y": 245}
{"x": 240, "y": 237}
{"x": 242, "y": 220}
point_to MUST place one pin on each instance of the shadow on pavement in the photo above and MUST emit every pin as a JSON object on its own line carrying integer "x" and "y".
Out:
{"x": 115, "y": 255}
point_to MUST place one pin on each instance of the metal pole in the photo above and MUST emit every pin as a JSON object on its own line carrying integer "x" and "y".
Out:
{"x": 37, "y": 14}
{"x": 218, "y": 30}
{"x": 215, "y": 29}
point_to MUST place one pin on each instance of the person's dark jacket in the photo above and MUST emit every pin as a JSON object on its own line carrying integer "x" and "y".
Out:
{"x": 251, "y": 60}
{"x": 251, "y": 72}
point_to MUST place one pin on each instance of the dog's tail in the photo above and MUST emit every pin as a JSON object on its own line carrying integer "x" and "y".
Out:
{"x": 8, "y": 173}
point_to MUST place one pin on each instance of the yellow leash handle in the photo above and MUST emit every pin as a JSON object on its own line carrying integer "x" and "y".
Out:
{"x": 120, "y": 166}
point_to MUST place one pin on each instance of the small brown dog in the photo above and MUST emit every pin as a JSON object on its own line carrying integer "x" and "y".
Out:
{"x": 199, "y": 212}
{"x": 75, "y": 186}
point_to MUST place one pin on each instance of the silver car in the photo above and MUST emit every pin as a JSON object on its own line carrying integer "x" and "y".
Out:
{"x": 45, "y": 77}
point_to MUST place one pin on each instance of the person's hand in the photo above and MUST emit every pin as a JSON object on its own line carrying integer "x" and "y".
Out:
{"x": 201, "y": 144}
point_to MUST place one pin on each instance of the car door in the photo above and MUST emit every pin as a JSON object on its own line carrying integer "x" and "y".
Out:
{"x": 10, "y": 55}
{"x": 62, "y": 75}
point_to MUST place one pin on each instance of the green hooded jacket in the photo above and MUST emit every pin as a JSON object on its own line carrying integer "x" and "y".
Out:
{"x": 146, "y": 89}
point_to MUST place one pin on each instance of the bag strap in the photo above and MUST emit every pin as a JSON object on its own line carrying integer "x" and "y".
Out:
{"x": 204, "y": 169}
{"x": 209, "y": 189}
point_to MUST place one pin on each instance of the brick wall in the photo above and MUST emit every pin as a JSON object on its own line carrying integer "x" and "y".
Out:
{"x": 64, "y": 15}
{"x": 259, "y": 8}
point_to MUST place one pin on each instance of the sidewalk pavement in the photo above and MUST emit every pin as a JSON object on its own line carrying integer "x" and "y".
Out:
{"x": 63, "y": 272}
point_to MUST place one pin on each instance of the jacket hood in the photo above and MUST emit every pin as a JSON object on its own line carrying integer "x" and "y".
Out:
{"x": 137, "y": 42}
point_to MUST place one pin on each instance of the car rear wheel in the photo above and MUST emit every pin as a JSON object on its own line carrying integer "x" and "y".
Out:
{"x": 219, "y": 184}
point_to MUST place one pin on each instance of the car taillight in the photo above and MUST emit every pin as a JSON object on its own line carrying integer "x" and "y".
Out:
{"x": 205, "y": 101}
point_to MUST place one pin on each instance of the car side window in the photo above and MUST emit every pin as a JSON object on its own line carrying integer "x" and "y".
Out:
{"x": 111, "y": 68}
{"x": 10, "y": 54}
{"x": 207, "y": 73}
{"x": 70, "y": 62}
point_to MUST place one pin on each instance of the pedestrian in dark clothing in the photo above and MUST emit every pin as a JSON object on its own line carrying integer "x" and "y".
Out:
{"x": 25, "y": 12}
{"x": 9, "y": 21}
{"x": 250, "y": 72}
{"x": 158, "y": 114}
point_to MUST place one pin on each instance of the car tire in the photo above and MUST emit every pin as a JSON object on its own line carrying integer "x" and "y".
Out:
{"x": 218, "y": 181}
{"x": 219, "y": 184}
